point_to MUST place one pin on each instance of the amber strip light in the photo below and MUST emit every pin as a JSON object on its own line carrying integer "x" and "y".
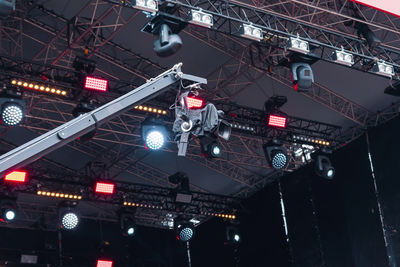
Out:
{"x": 133, "y": 204}
{"x": 39, "y": 87}
{"x": 221, "y": 215}
{"x": 58, "y": 195}
{"x": 151, "y": 109}
{"x": 311, "y": 140}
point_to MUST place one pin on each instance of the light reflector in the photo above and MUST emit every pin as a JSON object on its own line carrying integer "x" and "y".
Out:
{"x": 16, "y": 176}
{"x": 384, "y": 69}
{"x": 251, "y": 32}
{"x": 298, "y": 45}
{"x": 106, "y": 188}
{"x": 97, "y": 84}
{"x": 192, "y": 102}
{"x": 201, "y": 18}
{"x": 277, "y": 121}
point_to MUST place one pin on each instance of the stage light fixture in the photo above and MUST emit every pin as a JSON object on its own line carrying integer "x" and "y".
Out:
{"x": 276, "y": 156}
{"x": 153, "y": 133}
{"x": 95, "y": 84}
{"x": 184, "y": 232}
{"x": 310, "y": 140}
{"x": 242, "y": 127}
{"x": 16, "y": 177}
{"x": 302, "y": 77}
{"x": 105, "y": 188}
{"x": 323, "y": 166}
{"x": 298, "y": 45}
{"x": 193, "y": 103}
{"x": 232, "y": 235}
{"x": 38, "y": 87}
{"x": 141, "y": 205}
{"x": 151, "y": 110}
{"x": 220, "y": 215}
{"x": 201, "y": 18}
{"x": 342, "y": 57}
{"x": 58, "y": 195}
{"x": 8, "y": 211}
{"x": 168, "y": 43}
{"x": 210, "y": 147}
{"x": 146, "y": 5}
{"x": 277, "y": 121}
{"x": 365, "y": 31}
{"x": 127, "y": 223}
{"x": 68, "y": 214}
{"x": 6, "y": 7}
{"x": 104, "y": 263}
{"x": 383, "y": 68}
{"x": 12, "y": 107}
{"x": 251, "y": 32}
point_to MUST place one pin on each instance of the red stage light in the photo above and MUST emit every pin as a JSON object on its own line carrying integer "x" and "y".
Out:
{"x": 104, "y": 263}
{"x": 16, "y": 176}
{"x": 96, "y": 84}
{"x": 192, "y": 102}
{"x": 277, "y": 121}
{"x": 105, "y": 188}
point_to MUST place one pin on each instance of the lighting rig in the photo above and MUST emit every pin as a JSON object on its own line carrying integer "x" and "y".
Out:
{"x": 277, "y": 31}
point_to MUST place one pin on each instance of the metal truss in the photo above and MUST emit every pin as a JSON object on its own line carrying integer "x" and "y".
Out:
{"x": 229, "y": 16}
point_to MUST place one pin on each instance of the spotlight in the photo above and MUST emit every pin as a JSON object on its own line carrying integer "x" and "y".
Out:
{"x": 128, "y": 226}
{"x": 184, "y": 232}
{"x": 232, "y": 235}
{"x": 84, "y": 64}
{"x": 298, "y": 45}
{"x": 201, "y": 18}
{"x": 8, "y": 211}
{"x": 383, "y": 68}
{"x": 342, "y": 57}
{"x": 209, "y": 146}
{"x": 153, "y": 133}
{"x": 302, "y": 77}
{"x": 12, "y": 108}
{"x": 251, "y": 32}
{"x": 323, "y": 167}
{"x": 168, "y": 43}
{"x": 276, "y": 156}
{"x": 69, "y": 217}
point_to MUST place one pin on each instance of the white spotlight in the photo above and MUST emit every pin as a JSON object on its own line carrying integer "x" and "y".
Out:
{"x": 201, "y": 18}
{"x": 298, "y": 45}
{"x": 383, "y": 68}
{"x": 251, "y": 32}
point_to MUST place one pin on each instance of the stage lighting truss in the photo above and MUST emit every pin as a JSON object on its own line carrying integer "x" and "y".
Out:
{"x": 310, "y": 140}
{"x": 251, "y": 32}
{"x": 298, "y": 45}
{"x": 151, "y": 110}
{"x": 201, "y": 18}
{"x": 383, "y": 68}
{"x": 342, "y": 57}
{"x": 39, "y": 87}
{"x": 19, "y": 177}
{"x": 59, "y": 195}
{"x": 146, "y": 5}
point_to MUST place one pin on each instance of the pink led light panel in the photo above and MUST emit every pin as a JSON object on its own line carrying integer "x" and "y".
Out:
{"x": 277, "y": 121}
{"x": 194, "y": 102}
{"x": 104, "y": 263}
{"x": 105, "y": 188}
{"x": 16, "y": 176}
{"x": 388, "y": 6}
{"x": 97, "y": 84}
